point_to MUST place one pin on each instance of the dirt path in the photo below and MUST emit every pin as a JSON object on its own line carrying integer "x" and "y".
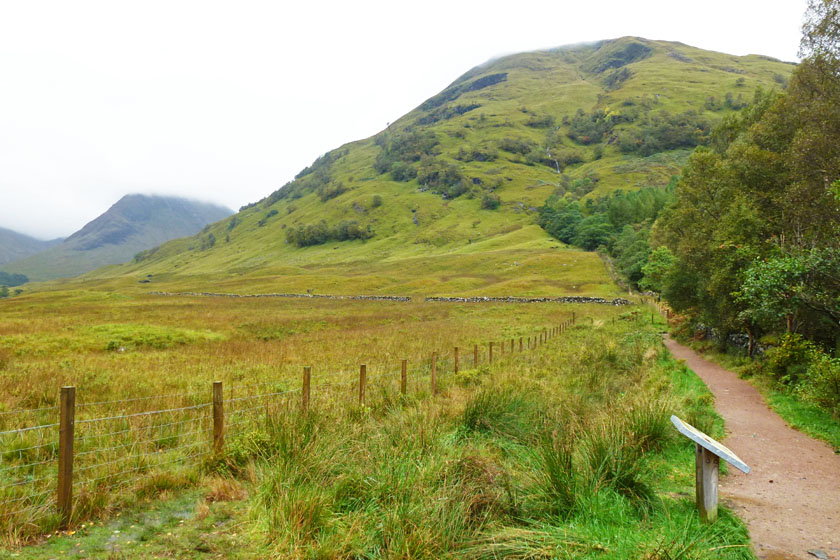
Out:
{"x": 791, "y": 499}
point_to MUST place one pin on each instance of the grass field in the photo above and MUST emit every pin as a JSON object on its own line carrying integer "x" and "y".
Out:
{"x": 561, "y": 451}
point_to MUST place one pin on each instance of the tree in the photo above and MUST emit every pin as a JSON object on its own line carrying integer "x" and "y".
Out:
{"x": 656, "y": 269}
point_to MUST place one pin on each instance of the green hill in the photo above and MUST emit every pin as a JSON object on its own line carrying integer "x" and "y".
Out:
{"x": 15, "y": 246}
{"x": 459, "y": 179}
{"x": 136, "y": 222}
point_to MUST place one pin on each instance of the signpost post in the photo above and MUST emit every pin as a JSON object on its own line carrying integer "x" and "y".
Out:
{"x": 707, "y": 462}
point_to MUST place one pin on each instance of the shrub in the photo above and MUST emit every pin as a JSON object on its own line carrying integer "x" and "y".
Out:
{"x": 321, "y": 232}
{"x": 788, "y": 361}
{"x": 542, "y": 121}
{"x": 516, "y": 145}
{"x": 822, "y": 383}
{"x": 264, "y": 219}
{"x": 490, "y": 201}
{"x": 376, "y": 201}
{"x": 326, "y": 192}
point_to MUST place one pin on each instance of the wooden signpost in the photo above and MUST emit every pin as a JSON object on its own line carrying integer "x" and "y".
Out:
{"x": 707, "y": 462}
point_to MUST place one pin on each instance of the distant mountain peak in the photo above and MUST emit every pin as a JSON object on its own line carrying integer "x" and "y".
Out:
{"x": 136, "y": 222}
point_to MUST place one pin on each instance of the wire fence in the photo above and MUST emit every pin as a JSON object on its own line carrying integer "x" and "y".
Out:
{"x": 121, "y": 445}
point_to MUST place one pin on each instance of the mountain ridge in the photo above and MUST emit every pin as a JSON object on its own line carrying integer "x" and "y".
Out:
{"x": 466, "y": 170}
{"x": 134, "y": 223}
{"x": 15, "y": 245}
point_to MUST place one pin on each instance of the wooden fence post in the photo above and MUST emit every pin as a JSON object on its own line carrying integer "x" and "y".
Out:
{"x": 511, "y": 346}
{"x": 403, "y": 378}
{"x": 66, "y": 431}
{"x": 520, "y": 344}
{"x": 475, "y": 356}
{"x": 362, "y": 384}
{"x": 491, "y": 352}
{"x": 218, "y": 417}
{"x": 304, "y": 393}
{"x": 502, "y": 346}
{"x": 456, "y": 359}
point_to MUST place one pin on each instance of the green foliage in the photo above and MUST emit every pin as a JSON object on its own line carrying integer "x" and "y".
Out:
{"x": 755, "y": 225}
{"x": 376, "y": 201}
{"x": 441, "y": 177}
{"x": 516, "y": 145}
{"x": 10, "y": 280}
{"x": 788, "y": 361}
{"x": 490, "y": 201}
{"x": 822, "y": 382}
{"x": 320, "y": 233}
{"x": 4, "y": 291}
{"x": 659, "y": 264}
{"x": 264, "y": 219}
{"x": 476, "y": 153}
{"x": 330, "y": 191}
{"x": 400, "y": 150}
{"x": 593, "y": 127}
{"x": 618, "y": 222}
{"x": 540, "y": 121}
{"x": 665, "y": 131}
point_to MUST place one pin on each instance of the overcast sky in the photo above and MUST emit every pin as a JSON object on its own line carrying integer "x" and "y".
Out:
{"x": 226, "y": 101}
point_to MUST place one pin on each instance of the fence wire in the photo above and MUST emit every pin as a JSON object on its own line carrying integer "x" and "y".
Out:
{"x": 120, "y": 444}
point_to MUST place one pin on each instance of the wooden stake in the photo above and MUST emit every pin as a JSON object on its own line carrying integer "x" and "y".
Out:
{"x": 511, "y": 346}
{"x": 475, "y": 356}
{"x": 502, "y": 346}
{"x": 66, "y": 431}
{"x": 707, "y": 469}
{"x": 403, "y": 377}
{"x": 520, "y": 344}
{"x": 434, "y": 373}
{"x": 218, "y": 418}
{"x": 362, "y": 384}
{"x": 304, "y": 393}
{"x": 456, "y": 359}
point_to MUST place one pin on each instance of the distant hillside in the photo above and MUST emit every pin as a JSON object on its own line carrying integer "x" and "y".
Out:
{"x": 135, "y": 223}
{"x": 15, "y": 246}
{"x": 466, "y": 171}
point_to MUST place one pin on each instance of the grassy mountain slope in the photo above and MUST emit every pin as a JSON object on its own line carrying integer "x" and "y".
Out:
{"x": 579, "y": 121}
{"x": 15, "y": 246}
{"x": 135, "y": 223}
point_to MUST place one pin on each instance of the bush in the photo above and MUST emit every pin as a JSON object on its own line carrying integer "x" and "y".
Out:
{"x": 788, "y": 361}
{"x": 400, "y": 150}
{"x": 12, "y": 280}
{"x": 320, "y": 233}
{"x": 376, "y": 201}
{"x": 490, "y": 201}
{"x": 441, "y": 177}
{"x": 326, "y": 192}
{"x": 516, "y": 145}
{"x": 665, "y": 131}
{"x": 264, "y": 219}
{"x": 822, "y": 384}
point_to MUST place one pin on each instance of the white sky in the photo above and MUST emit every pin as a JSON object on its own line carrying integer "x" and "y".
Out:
{"x": 226, "y": 101}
